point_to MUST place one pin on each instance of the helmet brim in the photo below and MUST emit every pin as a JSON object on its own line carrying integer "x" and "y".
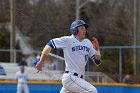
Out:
{"x": 86, "y": 26}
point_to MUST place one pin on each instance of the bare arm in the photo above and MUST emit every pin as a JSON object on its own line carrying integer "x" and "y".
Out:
{"x": 44, "y": 54}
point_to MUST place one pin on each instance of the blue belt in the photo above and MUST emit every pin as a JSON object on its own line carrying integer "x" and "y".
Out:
{"x": 75, "y": 74}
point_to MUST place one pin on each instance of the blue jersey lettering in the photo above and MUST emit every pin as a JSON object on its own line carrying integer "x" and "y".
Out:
{"x": 79, "y": 47}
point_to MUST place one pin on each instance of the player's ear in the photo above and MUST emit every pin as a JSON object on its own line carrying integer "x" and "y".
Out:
{"x": 76, "y": 31}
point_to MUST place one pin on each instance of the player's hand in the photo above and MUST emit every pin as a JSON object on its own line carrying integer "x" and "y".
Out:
{"x": 95, "y": 43}
{"x": 39, "y": 66}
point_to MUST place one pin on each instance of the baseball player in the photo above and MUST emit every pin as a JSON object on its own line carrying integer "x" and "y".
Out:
{"x": 22, "y": 78}
{"x": 77, "y": 49}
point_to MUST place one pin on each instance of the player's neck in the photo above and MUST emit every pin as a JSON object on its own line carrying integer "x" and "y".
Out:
{"x": 79, "y": 38}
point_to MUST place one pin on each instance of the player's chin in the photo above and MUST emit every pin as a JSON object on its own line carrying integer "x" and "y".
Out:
{"x": 84, "y": 36}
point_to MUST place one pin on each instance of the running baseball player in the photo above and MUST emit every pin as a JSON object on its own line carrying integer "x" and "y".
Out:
{"x": 22, "y": 78}
{"x": 77, "y": 49}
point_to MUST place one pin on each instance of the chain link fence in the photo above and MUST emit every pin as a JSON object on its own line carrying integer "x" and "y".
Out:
{"x": 116, "y": 64}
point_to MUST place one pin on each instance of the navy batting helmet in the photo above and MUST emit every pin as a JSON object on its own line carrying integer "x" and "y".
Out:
{"x": 75, "y": 24}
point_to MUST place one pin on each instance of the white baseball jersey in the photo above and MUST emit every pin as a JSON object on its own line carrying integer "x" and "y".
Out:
{"x": 21, "y": 77}
{"x": 76, "y": 52}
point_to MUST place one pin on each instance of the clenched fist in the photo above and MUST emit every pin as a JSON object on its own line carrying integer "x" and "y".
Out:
{"x": 95, "y": 43}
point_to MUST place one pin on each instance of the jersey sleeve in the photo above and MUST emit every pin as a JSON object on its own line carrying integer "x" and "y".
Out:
{"x": 61, "y": 42}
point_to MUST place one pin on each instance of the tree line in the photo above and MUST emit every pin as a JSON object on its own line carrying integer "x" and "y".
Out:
{"x": 111, "y": 21}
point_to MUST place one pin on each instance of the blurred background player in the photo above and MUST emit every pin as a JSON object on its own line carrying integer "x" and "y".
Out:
{"x": 76, "y": 50}
{"x": 23, "y": 62}
{"x": 127, "y": 79}
{"x": 2, "y": 70}
{"x": 36, "y": 60}
{"x": 22, "y": 78}
{"x": 50, "y": 65}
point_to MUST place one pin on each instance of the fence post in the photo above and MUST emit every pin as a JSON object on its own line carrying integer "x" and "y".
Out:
{"x": 120, "y": 64}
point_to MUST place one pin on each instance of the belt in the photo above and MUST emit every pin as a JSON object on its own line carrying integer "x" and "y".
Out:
{"x": 22, "y": 83}
{"x": 75, "y": 74}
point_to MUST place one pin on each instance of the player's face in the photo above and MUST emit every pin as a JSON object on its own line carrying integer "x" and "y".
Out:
{"x": 81, "y": 32}
{"x": 22, "y": 69}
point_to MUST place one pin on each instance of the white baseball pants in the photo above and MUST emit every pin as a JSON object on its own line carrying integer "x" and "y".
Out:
{"x": 23, "y": 87}
{"x": 74, "y": 84}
